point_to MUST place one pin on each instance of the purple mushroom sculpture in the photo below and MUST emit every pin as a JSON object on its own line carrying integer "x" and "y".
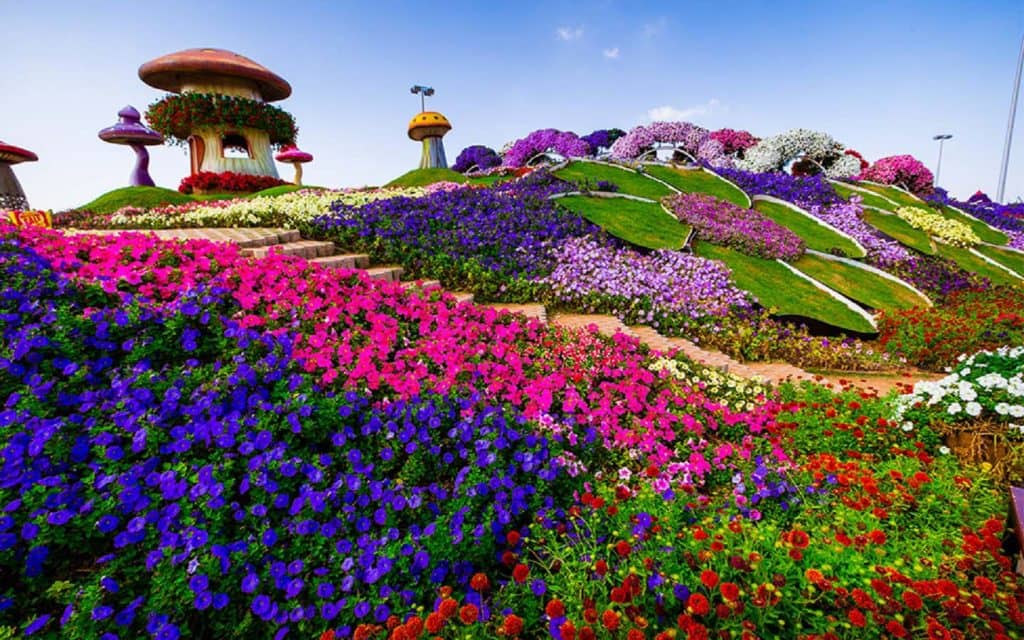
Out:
{"x": 130, "y": 131}
{"x": 292, "y": 155}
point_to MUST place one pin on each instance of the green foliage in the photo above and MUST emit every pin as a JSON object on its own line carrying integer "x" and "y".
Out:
{"x": 859, "y": 284}
{"x": 869, "y": 199}
{"x": 982, "y": 230}
{"x": 899, "y": 230}
{"x": 141, "y": 197}
{"x": 699, "y": 181}
{"x": 975, "y": 264}
{"x": 818, "y": 236}
{"x": 178, "y": 116}
{"x": 644, "y": 224}
{"x": 629, "y": 182}
{"x": 782, "y": 291}
{"x": 423, "y": 177}
{"x": 1007, "y": 257}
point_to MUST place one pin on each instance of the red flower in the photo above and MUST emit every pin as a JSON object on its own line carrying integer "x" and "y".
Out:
{"x": 512, "y": 538}
{"x": 479, "y": 582}
{"x": 448, "y": 608}
{"x": 586, "y": 633}
{"x": 568, "y": 630}
{"x": 730, "y": 591}
{"x": 896, "y": 629}
{"x": 635, "y": 634}
{"x": 985, "y": 586}
{"x": 435, "y": 622}
{"x": 698, "y": 604}
{"x": 709, "y": 578}
{"x": 622, "y": 548}
{"x": 912, "y": 600}
{"x": 468, "y": 613}
{"x": 555, "y": 609}
{"x": 601, "y": 567}
{"x": 512, "y": 625}
{"x": 327, "y": 635}
{"x": 520, "y": 573}
{"x": 857, "y": 618}
{"x": 610, "y": 620}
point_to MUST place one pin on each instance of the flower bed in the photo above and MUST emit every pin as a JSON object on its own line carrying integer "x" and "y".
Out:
{"x": 178, "y": 116}
{"x": 734, "y": 142}
{"x": 950, "y": 231}
{"x": 478, "y": 156}
{"x": 726, "y": 224}
{"x": 905, "y": 171}
{"x": 967, "y": 322}
{"x": 208, "y": 181}
{"x": 772, "y": 154}
{"x": 564, "y": 143}
{"x": 602, "y": 138}
{"x": 695, "y": 140}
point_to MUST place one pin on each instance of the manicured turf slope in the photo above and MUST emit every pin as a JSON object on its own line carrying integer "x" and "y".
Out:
{"x": 699, "y": 181}
{"x": 628, "y": 181}
{"x": 818, "y": 235}
{"x": 644, "y": 224}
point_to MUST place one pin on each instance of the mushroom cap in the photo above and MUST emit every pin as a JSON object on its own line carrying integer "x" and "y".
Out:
{"x": 10, "y": 154}
{"x": 428, "y": 124}
{"x": 293, "y": 154}
{"x": 130, "y": 130}
{"x": 174, "y": 70}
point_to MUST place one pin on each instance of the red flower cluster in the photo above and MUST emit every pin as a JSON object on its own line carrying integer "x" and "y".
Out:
{"x": 228, "y": 181}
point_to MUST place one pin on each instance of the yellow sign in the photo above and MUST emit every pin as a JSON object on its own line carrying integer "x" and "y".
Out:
{"x": 31, "y": 219}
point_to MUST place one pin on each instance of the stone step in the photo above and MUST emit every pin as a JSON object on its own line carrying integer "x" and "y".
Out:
{"x": 421, "y": 284}
{"x": 308, "y": 249}
{"x": 344, "y": 261}
{"x": 386, "y": 273}
{"x": 462, "y": 296}
{"x": 252, "y": 238}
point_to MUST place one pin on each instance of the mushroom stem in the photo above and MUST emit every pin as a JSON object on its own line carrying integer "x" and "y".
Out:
{"x": 11, "y": 194}
{"x": 140, "y": 174}
{"x": 298, "y": 173}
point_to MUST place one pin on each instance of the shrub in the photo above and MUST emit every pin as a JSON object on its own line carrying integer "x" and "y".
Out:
{"x": 478, "y": 156}
{"x": 228, "y": 181}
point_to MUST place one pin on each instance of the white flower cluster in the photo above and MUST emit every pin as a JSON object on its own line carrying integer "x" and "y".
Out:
{"x": 988, "y": 384}
{"x": 285, "y": 210}
{"x": 953, "y": 232}
{"x": 739, "y": 394}
{"x": 773, "y": 153}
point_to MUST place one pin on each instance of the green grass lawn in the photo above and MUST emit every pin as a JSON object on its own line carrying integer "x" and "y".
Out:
{"x": 899, "y": 230}
{"x": 489, "y": 180}
{"x": 899, "y": 196}
{"x": 869, "y": 199}
{"x": 697, "y": 181}
{"x": 644, "y": 224}
{"x": 820, "y": 237}
{"x": 786, "y": 293}
{"x": 983, "y": 231}
{"x": 860, "y": 284}
{"x": 1006, "y": 257}
{"x": 142, "y": 197}
{"x": 423, "y": 177}
{"x": 973, "y": 263}
{"x": 628, "y": 181}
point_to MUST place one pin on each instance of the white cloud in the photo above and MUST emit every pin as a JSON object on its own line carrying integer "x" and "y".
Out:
{"x": 655, "y": 28}
{"x": 568, "y": 34}
{"x": 611, "y": 54}
{"x": 670, "y": 113}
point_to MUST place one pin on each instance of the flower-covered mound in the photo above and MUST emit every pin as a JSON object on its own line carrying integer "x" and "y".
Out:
{"x": 905, "y": 171}
{"x": 772, "y": 154}
{"x": 694, "y": 140}
{"x": 565, "y": 143}
{"x": 950, "y": 231}
{"x": 725, "y": 224}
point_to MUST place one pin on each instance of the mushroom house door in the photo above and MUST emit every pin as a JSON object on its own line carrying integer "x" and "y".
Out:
{"x": 198, "y": 149}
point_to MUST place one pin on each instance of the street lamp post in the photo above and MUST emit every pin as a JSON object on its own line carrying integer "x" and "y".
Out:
{"x": 942, "y": 137}
{"x": 424, "y": 92}
{"x": 1009, "y": 125}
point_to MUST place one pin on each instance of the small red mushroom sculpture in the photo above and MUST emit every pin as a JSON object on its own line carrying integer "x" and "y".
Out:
{"x": 11, "y": 194}
{"x": 294, "y": 156}
{"x": 132, "y": 132}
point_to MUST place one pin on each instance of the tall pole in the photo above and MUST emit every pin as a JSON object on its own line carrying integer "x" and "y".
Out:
{"x": 942, "y": 137}
{"x": 1009, "y": 125}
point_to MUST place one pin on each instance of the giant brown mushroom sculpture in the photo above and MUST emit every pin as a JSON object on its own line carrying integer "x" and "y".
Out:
{"x": 221, "y": 73}
{"x": 296, "y": 157}
{"x": 11, "y": 194}
{"x": 430, "y": 127}
{"x": 130, "y": 131}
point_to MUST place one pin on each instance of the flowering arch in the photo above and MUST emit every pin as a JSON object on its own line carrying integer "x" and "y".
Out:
{"x": 541, "y": 141}
{"x": 692, "y": 140}
{"x": 819, "y": 149}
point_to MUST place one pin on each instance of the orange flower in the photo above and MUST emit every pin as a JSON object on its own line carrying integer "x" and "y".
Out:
{"x": 799, "y": 539}
{"x": 555, "y": 609}
{"x": 610, "y": 620}
{"x": 479, "y": 582}
{"x": 512, "y": 625}
{"x": 468, "y": 613}
{"x": 447, "y": 608}
{"x": 365, "y": 632}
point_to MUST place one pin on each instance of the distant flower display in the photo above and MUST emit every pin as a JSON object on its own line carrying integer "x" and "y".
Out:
{"x": 734, "y": 142}
{"x": 208, "y": 181}
{"x": 775, "y": 152}
{"x": 905, "y": 171}
{"x": 477, "y": 157}
{"x": 564, "y": 143}
{"x": 694, "y": 140}
{"x": 603, "y": 138}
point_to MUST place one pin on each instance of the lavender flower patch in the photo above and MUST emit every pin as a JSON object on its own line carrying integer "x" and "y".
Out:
{"x": 726, "y": 224}
{"x": 674, "y": 282}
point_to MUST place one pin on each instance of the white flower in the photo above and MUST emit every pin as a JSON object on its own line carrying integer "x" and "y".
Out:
{"x": 908, "y": 426}
{"x": 1017, "y": 411}
{"x": 973, "y": 409}
{"x": 954, "y": 409}
{"x": 944, "y": 450}
{"x": 1002, "y": 408}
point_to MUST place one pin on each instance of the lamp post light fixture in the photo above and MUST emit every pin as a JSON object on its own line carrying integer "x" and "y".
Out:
{"x": 942, "y": 137}
{"x": 424, "y": 92}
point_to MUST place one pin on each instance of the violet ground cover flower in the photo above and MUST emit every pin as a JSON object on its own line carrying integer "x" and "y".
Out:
{"x": 726, "y": 224}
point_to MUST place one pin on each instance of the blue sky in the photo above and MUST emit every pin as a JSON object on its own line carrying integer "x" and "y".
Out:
{"x": 881, "y": 77}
